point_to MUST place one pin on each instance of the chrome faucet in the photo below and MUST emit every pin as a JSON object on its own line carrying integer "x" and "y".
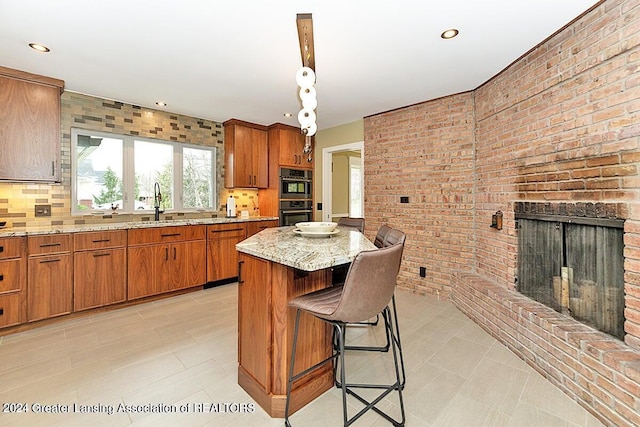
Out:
{"x": 157, "y": 198}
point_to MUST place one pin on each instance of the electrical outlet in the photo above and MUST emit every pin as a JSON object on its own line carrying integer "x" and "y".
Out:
{"x": 43, "y": 210}
{"x": 423, "y": 271}
{"x": 404, "y": 199}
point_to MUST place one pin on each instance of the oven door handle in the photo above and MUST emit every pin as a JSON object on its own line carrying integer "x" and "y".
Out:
{"x": 296, "y": 179}
{"x": 290, "y": 212}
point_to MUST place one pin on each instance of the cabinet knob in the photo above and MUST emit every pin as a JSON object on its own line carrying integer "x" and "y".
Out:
{"x": 1, "y": 311}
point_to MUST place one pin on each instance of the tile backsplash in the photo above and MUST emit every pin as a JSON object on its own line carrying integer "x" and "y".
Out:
{"x": 18, "y": 200}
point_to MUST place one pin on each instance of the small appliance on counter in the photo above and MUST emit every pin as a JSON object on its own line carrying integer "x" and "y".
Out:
{"x": 231, "y": 207}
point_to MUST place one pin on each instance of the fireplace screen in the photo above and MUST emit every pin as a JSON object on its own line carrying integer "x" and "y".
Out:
{"x": 574, "y": 268}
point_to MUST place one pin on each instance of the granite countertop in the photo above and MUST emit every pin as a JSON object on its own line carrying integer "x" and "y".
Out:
{"x": 282, "y": 245}
{"x": 79, "y": 228}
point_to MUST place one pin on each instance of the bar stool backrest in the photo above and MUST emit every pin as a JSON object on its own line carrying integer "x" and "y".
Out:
{"x": 393, "y": 237}
{"x": 352, "y": 222}
{"x": 380, "y": 236}
{"x": 369, "y": 285}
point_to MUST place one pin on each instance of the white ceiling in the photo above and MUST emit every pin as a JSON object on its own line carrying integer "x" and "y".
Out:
{"x": 238, "y": 59}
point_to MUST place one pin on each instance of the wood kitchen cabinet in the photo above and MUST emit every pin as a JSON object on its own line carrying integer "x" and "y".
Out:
{"x": 99, "y": 268}
{"x": 286, "y": 144}
{"x": 222, "y": 257}
{"x": 165, "y": 259}
{"x": 49, "y": 276}
{"x": 13, "y": 281}
{"x": 254, "y": 227}
{"x": 29, "y": 126}
{"x": 246, "y": 154}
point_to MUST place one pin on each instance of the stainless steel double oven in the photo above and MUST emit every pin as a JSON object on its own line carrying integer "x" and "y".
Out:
{"x": 296, "y": 197}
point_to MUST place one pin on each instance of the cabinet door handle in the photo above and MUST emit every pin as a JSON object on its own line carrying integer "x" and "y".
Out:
{"x": 48, "y": 245}
{"x": 174, "y": 252}
{"x": 53, "y": 168}
{"x": 49, "y": 260}
{"x": 101, "y": 240}
{"x": 166, "y": 254}
{"x": 1, "y": 248}
{"x": 229, "y": 229}
{"x": 240, "y": 272}
{"x": 1, "y": 311}
{"x": 1, "y": 277}
{"x": 102, "y": 254}
{"x": 249, "y": 179}
{"x": 255, "y": 180}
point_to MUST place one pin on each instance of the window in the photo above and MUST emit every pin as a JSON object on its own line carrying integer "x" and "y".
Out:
{"x": 120, "y": 171}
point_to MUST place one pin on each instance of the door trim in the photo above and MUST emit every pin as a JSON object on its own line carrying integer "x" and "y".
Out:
{"x": 326, "y": 174}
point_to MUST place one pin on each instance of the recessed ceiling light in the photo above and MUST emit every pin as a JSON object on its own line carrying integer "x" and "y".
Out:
{"x": 449, "y": 34}
{"x": 161, "y": 104}
{"x": 39, "y": 47}
{"x": 287, "y": 114}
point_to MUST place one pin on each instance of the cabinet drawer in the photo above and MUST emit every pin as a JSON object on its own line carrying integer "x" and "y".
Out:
{"x": 49, "y": 244}
{"x": 10, "y": 309}
{"x": 143, "y": 236}
{"x": 226, "y": 230}
{"x": 11, "y": 275}
{"x": 99, "y": 240}
{"x": 12, "y": 247}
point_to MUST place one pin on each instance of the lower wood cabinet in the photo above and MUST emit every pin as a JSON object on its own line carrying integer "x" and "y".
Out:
{"x": 13, "y": 281}
{"x": 222, "y": 257}
{"x": 254, "y": 227}
{"x": 165, "y": 259}
{"x": 48, "y": 275}
{"x": 50, "y": 267}
{"x": 99, "y": 269}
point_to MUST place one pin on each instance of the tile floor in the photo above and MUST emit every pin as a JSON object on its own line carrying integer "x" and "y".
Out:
{"x": 182, "y": 351}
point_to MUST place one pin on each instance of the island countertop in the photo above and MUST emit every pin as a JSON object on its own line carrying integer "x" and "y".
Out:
{"x": 281, "y": 245}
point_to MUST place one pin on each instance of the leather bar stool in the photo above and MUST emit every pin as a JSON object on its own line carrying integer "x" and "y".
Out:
{"x": 367, "y": 291}
{"x": 339, "y": 272}
{"x": 385, "y": 237}
{"x": 352, "y": 222}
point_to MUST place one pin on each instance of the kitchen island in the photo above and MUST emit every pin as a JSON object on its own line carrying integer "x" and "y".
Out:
{"x": 275, "y": 266}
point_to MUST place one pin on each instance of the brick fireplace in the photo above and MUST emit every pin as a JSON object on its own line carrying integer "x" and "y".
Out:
{"x": 559, "y": 127}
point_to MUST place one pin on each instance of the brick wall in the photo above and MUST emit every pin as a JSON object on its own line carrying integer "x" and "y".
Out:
{"x": 424, "y": 152}
{"x": 560, "y": 125}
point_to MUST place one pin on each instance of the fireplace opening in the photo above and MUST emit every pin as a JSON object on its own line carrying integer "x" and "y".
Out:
{"x": 574, "y": 265}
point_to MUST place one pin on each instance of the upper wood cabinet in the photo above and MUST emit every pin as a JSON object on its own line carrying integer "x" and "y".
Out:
{"x": 246, "y": 154}
{"x": 29, "y": 127}
{"x": 286, "y": 144}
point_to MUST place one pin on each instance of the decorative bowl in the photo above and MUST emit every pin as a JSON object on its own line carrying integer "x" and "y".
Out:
{"x": 316, "y": 227}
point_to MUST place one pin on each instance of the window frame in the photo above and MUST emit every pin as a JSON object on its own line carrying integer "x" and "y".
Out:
{"x": 128, "y": 173}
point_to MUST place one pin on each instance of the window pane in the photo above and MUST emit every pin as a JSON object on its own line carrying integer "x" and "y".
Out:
{"x": 197, "y": 178}
{"x": 153, "y": 162}
{"x": 98, "y": 172}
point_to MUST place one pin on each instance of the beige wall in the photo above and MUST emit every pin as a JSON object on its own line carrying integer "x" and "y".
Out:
{"x": 339, "y": 135}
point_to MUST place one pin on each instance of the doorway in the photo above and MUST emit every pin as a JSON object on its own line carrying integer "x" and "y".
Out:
{"x": 343, "y": 181}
